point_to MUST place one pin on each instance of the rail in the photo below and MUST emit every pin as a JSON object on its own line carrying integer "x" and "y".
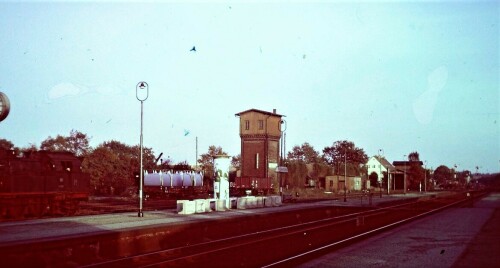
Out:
{"x": 288, "y": 244}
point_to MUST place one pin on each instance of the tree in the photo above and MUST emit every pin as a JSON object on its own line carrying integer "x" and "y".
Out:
{"x": 416, "y": 171}
{"x": 442, "y": 174}
{"x": 236, "y": 161}
{"x": 181, "y": 166}
{"x": 6, "y": 144}
{"x": 112, "y": 164}
{"x": 206, "y": 161}
{"x": 373, "y": 179}
{"x": 345, "y": 151}
{"x": 104, "y": 167}
{"x": 77, "y": 143}
{"x": 413, "y": 157}
{"x": 297, "y": 173}
{"x": 417, "y": 175}
{"x": 304, "y": 153}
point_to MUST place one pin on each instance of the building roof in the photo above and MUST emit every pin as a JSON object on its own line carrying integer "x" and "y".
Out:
{"x": 385, "y": 163}
{"x": 260, "y": 111}
{"x": 406, "y": 163}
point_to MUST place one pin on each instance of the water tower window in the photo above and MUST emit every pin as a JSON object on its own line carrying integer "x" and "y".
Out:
{"x": 247, "y": 124}
{"x": 257, "y": 161}
{"x": 261, "y": 124}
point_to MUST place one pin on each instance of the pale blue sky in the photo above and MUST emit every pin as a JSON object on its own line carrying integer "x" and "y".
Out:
{"x": 402, "y": 77}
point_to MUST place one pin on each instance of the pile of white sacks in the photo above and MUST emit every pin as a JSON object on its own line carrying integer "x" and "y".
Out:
{"x": 186, "y": 207}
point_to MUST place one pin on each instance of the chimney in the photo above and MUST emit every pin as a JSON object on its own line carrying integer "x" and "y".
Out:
{"x": 274, "y": 111}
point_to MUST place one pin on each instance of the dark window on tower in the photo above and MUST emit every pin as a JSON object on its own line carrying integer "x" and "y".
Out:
{"x": 247, "y": 124}
{"x": 261, "y": 124}
{"x": 67, "y": 165}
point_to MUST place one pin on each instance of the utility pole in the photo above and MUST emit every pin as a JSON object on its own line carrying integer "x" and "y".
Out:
{"x": 196, "y": 159}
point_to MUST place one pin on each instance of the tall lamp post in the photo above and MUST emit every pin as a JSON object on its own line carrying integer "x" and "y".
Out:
{"x": 425, "y": 176}
{"x": 404, "y": 176}
{"x": 345, "y": 176}
{"x": 380, "y": 171}
{"x": 141, "y": 93}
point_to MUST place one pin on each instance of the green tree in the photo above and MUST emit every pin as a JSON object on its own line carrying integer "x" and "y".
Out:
{"x": 304, "y": 153}
{"x": 373, "y": 179}
{"x": 104, "y": 167}
{"x": 413, "y": 156}
{"x": 6, "y": 144}
{"x": 111, "y": 166}
{"x": 297, "y": 173}
{"x": 183, "y": 165}
{"x": 345, "y": 152}
{"x": 77, "y": 143}
{"x": 236, "y": 161}
{"x": 416, "y": 171}
{"x": 417, "y": 175}
{"x": 206, "y": 161}
{"x": 442, "y": 174}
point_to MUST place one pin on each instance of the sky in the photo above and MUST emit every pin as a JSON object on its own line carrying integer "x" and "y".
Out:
{"x": 392, "y": 77}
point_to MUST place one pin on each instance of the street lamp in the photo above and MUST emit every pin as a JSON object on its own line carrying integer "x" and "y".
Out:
{"x": 404, "y": 176}
{"x": 345, "y": 176}
{"x": 380, "y": 171}
{"x": 425, "y": 176}
{"x": 141, "y": 93}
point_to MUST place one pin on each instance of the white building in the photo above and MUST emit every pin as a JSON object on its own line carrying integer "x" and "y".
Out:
{"x": 380, "y": 165}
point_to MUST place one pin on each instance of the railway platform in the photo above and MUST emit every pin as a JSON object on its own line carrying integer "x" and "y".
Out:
{"x": 458, "y": 237}
{"x": 19, "y": 232}
{"x": 67, "y": 240}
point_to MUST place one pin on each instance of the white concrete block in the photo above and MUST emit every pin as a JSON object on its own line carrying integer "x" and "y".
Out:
{"x": 199, "y": 205}
{"x": 220, "y": 205}
{"x": 259, "y": 201}
{"x": 241, "y": 203}
{"x": 233, "y": 201}
{"x": 277, "y": 200}
{"x": 268, "y": 201}
{"x": 251, "y": 202}
{"x": 180, "y": 205}
{"x": 187, "y": 207}
{"x": 209, "y": 205}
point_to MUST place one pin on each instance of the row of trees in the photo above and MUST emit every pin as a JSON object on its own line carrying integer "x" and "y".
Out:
{"x": 337, "y": 155}
{"x": 333, "y": 159}
{"x": 112, "y": 164}
{"x": 305, "y": 163}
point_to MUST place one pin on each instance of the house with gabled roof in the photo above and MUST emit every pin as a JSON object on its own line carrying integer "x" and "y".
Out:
{"x": 380, "y": 166}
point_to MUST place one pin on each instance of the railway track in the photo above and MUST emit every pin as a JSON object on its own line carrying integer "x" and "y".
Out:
{"x": 288, "y": 245}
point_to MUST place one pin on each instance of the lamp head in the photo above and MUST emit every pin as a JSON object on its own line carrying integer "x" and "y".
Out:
{"x": 142, "y": 91}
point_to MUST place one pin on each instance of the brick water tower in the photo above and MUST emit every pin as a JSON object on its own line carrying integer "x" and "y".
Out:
{"x": 260, "y": 133}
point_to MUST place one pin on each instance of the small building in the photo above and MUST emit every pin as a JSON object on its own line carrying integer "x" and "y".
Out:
{"x": 337, "y": 183}
{"x": 380, "y": 166}
{"x": 404, "y": 173}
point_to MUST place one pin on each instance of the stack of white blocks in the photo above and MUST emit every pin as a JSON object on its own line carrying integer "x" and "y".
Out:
{"x": 186, "y": 207}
